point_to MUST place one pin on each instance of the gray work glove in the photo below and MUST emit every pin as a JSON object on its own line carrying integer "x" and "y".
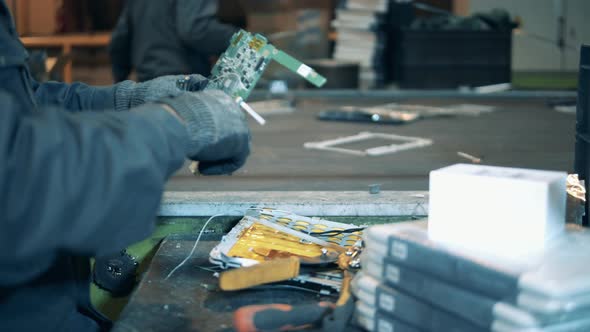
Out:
{"x": 130, "y": 94}
{"x": 218, "y": 131}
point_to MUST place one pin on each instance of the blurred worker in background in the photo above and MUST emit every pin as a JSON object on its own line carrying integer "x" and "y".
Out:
{"x": 82, "y": 170}
{"x": 157, "y": 38}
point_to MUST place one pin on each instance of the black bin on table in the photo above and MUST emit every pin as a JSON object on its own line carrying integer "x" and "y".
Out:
{"x": 582, "y": 165}
{"x": 447, "y": 59}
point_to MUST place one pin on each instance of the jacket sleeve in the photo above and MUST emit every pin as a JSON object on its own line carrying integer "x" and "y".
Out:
{"x": 83, "y": 183}
{"x": 199, "y": 28}
{"x": 120, "y": 47}
{"x": 75, "y": 97}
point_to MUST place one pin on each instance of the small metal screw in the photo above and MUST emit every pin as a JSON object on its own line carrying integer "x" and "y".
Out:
{"x": 374, "y": 188}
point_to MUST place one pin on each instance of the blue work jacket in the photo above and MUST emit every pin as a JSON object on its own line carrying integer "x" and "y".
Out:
{"x": 77, "y": 180}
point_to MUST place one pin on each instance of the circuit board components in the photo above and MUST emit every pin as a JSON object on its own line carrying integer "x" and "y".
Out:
{"x": 240, "y": 67}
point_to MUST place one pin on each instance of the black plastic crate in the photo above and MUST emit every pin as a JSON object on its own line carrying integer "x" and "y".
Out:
{"x": 440, "y": 59}
{"x": 582, "y": 166}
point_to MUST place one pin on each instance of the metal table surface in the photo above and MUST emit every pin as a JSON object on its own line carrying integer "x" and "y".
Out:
{"x": 522, "y": 132}
{"x": 190, "y": 299}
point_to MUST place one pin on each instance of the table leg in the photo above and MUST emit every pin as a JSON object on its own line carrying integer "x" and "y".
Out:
{"x": 67, "y": 50}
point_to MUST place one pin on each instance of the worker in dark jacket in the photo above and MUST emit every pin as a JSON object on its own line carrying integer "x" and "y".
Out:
{"x": 159, "y": 37}
{"x": 82, "y": 170}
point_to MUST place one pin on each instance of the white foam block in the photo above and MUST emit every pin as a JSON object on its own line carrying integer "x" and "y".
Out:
{"x": 505, "y": 212}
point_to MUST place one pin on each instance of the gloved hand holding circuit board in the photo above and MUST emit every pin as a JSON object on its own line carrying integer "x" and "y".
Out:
{"x": 240, "y": 67}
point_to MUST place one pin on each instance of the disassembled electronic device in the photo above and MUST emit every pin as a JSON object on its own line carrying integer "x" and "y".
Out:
{"x": 240, "y": 67}
{"x": 394, "y": 113}
{"x": 266, "y": 234}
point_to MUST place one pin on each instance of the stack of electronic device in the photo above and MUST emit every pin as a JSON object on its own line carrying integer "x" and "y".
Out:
{"x": 410, "y": 283}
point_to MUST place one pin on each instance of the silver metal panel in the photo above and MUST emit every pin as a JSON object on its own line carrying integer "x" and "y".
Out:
{"x": 307, "y": 203}
{"x": 421, "y": 94}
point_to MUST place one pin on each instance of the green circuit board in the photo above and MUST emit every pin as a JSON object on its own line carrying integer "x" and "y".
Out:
{"x": 240, "y": 67}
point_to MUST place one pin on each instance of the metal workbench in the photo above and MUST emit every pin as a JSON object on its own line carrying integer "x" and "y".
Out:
{"x": 523, "y": 132}
{"x": 190, "y": 300}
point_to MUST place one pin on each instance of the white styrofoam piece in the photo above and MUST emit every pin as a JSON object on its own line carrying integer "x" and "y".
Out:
{"x": 503, "y": 212}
